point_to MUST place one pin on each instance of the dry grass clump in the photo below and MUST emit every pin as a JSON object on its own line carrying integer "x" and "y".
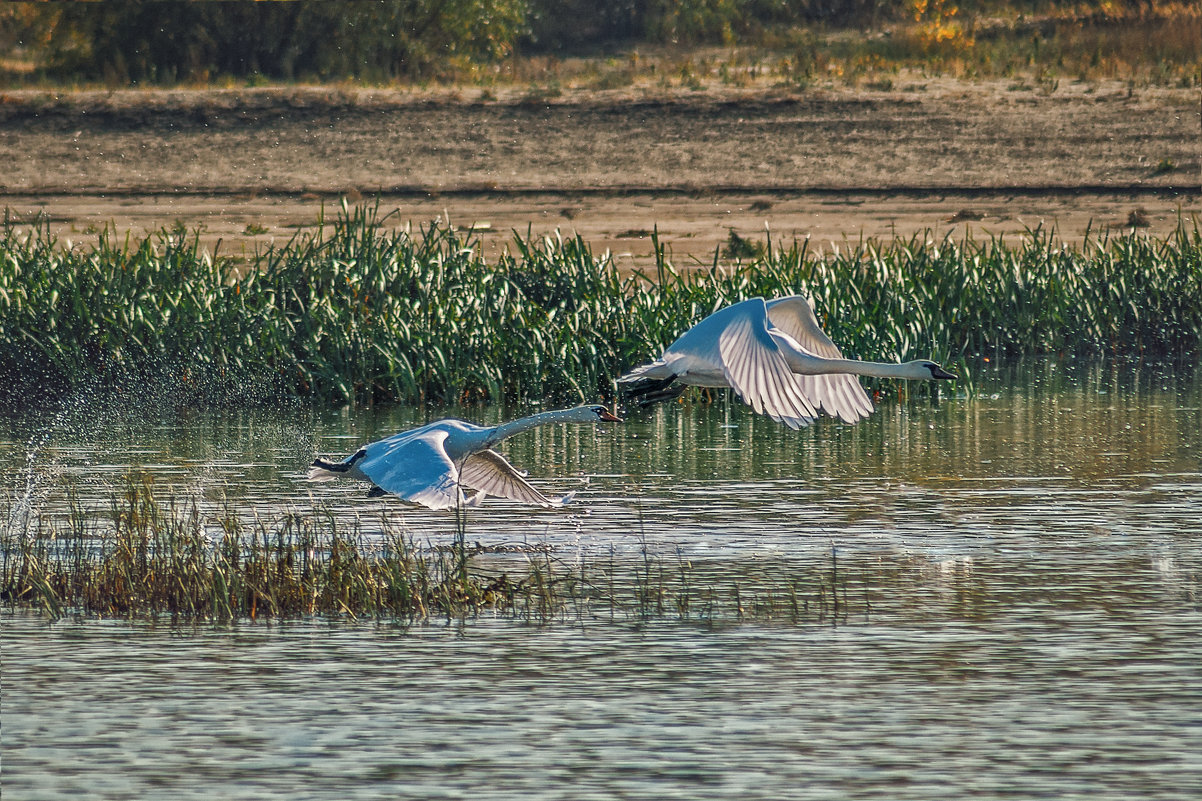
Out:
{"x": 157, "y": 557}
{"x": 165, "y": 559}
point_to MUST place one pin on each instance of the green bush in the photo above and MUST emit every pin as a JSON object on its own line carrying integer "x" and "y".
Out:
{"x": 144, "y": 41}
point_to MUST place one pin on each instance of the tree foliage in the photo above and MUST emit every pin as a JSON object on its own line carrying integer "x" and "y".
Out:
{"x": 140, "y": 41}
{"x": 153, "y": 41}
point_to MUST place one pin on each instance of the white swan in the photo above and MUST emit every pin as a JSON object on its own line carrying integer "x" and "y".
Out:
{"x": 428, "y": 465}
{"x": 776, "y": 357}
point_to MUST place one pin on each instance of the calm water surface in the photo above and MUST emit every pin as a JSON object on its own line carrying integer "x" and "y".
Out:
{"x": 1025, "y": 618}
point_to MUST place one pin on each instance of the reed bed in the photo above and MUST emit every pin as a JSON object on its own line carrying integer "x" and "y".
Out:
{"x": 164, "y": 559}
{"x": 361, "y": 312}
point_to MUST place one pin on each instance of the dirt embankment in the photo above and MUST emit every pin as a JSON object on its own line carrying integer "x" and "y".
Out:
{"x": 252, "y": 165}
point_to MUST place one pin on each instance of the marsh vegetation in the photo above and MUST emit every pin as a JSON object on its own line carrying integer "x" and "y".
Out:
{"x": 166, "y": 559}
{"x": 362, "y": 313}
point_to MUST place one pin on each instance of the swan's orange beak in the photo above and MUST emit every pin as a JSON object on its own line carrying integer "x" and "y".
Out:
{"x": 607, "y": 417}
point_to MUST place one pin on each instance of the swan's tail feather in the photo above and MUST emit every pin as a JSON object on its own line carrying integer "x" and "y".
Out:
{"x": 324, "y": 471}
{"x": 648, "y": 370}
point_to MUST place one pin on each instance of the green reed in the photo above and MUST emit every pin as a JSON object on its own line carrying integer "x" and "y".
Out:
{"x": 155, "y": 557}
{"x": 357, "y": 313}
{"x": 164, "y": 558}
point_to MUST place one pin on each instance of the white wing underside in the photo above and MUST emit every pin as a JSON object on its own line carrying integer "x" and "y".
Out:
{"x": 838, "y": 394}
{"x": 755, "y": 369}
{"x": 489, "y": 473}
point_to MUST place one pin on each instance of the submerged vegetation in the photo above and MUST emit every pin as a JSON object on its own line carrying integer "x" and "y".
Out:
{"x": 166, "y": 559}
{"x": 358, "y": 313}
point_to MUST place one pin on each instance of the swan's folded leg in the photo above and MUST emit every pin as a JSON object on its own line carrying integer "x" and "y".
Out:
{"x": 670, "y": 393}
{"x": 322, "y": 470}
{"x": 653, "y": 390}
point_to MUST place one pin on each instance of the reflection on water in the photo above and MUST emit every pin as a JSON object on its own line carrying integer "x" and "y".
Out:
{"x": 1037, "y": 455}
{"x": 1023, "y": 577}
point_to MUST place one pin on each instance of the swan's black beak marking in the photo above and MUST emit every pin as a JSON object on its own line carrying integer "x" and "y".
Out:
{"x": 607, "y": 417}
{"x": 939, "y": 372}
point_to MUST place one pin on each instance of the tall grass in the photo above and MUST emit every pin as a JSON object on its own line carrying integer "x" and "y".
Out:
{"x": 358, "y": 313}
{"x": 163, "y": 558}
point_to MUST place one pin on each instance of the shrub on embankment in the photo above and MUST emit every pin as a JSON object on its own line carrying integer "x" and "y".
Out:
{"x": 357, "y": 313}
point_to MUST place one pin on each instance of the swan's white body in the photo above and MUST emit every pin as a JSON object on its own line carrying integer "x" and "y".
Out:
{"x": 777, "y": 358}
{"x": 429, "y": 465}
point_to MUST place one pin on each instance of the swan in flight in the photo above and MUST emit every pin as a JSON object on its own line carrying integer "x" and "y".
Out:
{"x": 776, "y": 357}
{"x": 428, "y": 465}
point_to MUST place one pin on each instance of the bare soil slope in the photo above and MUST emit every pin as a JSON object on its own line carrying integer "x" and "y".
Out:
{"x": 252, "y": 165}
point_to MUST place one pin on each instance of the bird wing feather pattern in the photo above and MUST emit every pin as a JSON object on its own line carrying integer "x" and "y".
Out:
{"x": 796, "y": 317}
{"x": 490, "y": 473}
{"x": 756, "y": 369}
{"x": 838, "y": 394}
{"x": 415, "y": 466}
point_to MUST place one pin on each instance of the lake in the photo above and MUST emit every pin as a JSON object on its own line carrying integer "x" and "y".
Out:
{"x": 1020, "y": 610}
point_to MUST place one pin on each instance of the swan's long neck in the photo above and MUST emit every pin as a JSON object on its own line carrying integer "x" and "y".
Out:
{"x": 507, "y": 430}
{"x": 805, "y": 364}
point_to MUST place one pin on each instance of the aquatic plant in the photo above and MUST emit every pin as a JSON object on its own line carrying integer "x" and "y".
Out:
{"x": 150, "y": 557}
{"x": 358, "y": 313}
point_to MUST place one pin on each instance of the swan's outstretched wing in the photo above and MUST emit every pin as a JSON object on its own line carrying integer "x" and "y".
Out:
{"x": 755, "y": 368}
{"x": 489, "y": 472}
{"x": 796, "y": 317}
{"x": 838, "y": 394}
{"x": 414, "y": 465}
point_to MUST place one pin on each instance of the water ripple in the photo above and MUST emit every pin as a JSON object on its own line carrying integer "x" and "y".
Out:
{"x": 1019, "y": 615}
